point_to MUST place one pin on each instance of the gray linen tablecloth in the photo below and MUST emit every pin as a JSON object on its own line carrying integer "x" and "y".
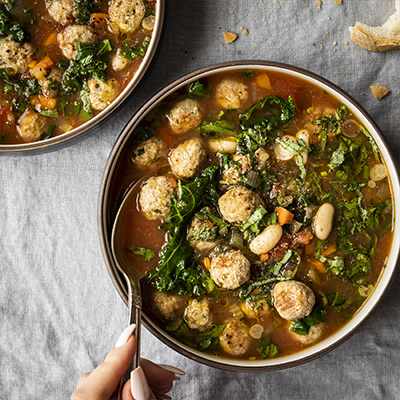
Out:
{"x": 60, "y": 313}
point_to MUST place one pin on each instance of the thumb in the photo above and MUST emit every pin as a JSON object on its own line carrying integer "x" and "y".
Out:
{"x": 103, "y": 381}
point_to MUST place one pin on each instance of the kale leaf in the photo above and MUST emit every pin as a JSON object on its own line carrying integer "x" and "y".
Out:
{"x": 267, "y": 349}
{"x": 258, "y": 287}
{"x": 84, "y": 9}
{"x": 11, "y": 27}
{"x": 302, "y": 326}
{"x": 209, "y": 338}
{"x": 131, "y": 52}
{"x": 147, "y": 254}
{"x": 89, "y": 62}
{"x": 177, "y": 268}
{"x": 197, "y": 89}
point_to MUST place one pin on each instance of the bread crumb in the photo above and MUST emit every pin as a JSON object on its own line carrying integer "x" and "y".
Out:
{"x": 319, "y": 3}
{"x": 329, "y": 18}
{"x": 334, "y": 43}
{"x": 265, "y": 23}
{"x": 379, "y": 91}
{"x": 245, "y": 32}
{"x": 338, "y": 1}
{"x": 229, "y": 37}
{"x": 232, "y": 12}
{"x": 346, "y": 42}
{"x": 313, "y": 44}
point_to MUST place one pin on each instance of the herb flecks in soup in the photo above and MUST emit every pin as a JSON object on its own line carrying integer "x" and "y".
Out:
{"x": 63, "y": 62}
{"x": 270, "y": 210}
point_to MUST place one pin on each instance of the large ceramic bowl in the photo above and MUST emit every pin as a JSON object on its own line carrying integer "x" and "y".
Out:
{"x": 94, "y": 124}
{"x": 115, "y": 184}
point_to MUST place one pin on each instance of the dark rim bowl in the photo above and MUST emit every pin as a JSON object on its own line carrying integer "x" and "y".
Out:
{"x": 88, "y": 127}
{"x": 109, "y": 203}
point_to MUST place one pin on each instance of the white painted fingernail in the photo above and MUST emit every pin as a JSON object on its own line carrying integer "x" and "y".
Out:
{"x": 172, "y": 369}
{"x": 139, "y": 387}
{"x": 125, "y": 335}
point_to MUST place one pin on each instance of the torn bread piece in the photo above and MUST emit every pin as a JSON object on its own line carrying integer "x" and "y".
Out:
{"x": 378, "y": 38}
{"x": 379, "y": 91}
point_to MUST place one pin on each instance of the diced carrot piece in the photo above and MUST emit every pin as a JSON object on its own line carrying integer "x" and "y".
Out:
{"x": 264, "y": 257}
{"x": 32, "y": 64}
{"x": 97, "y": 17}
{"x": 318, "y": 265}
{"x": 284, "y": 216}
{"x": 309, "y": 249}
{"x": 51, "y": 40}
{"x": 263, "y": 81}
{"x": 48, "y": 102}
{"x": 35, "y": 100}
{"x": 45, "y": 63}
{"x": 329, "y": 250}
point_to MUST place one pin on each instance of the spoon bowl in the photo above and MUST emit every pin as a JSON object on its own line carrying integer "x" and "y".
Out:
{"x": 131, "y": 275}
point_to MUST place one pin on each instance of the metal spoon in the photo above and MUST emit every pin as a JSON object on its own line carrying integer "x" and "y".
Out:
{"x": 132, "y": 277}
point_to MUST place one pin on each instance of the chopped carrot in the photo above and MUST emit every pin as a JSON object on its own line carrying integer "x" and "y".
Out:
{"x": 329, "y": 250}
{"x": 309, "y": 249}
{"x": 32, "y": 64}
{"x": 264, "y": 257}
{"x": 45, "y": 63}
{"x": 35, "y": 100}
{"x": 318, "y": 265}
{"x": 284, "y": 216}
{"x": 97, "y": 17}
{"x": 48, "y": 102}
{"x": 51, "y": 40}
{"x": 207, "y": 262}
{"x": 263, "y": 81}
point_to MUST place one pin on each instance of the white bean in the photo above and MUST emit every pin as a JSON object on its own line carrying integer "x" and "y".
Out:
{"x": 267, "y": 239}
{"x": 305, "y": 137}
{"x": 282, "y": 153}
{"x": 223, "y": 145}
{"x": 323, "y": 221}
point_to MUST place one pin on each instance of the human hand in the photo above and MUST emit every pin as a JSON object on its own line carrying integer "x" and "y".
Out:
{"x": 148, "y": 382}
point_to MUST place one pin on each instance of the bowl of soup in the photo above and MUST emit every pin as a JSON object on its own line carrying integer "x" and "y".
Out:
{"x": 65, "y": 66}
{"x": 264, "y": 217}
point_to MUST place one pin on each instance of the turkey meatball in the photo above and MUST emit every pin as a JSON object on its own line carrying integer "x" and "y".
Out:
{"x": 234, "y": 173}
{"x": 126, "y": 15}
{"x": 102, "y": 94}
{"x": 231, "y": 94}
{"x": 230, "y": 270}
{"x": 166, "y": 305}
{"x": 235, "y": 340}
{"x": 15, "y": 57}
{"x": 185, "y": 116}
{"x": 198, "y": 315}
{"x": 61, "y": 11}
{"x": 155, "y": 196}
{"x": 202, "y": 234}
{"x": 71, "y": 36}
{"x": 148, "y": 152}
{"x": 313, "y": 335}
{"x": 186, "y": 159}
{"x": 237, "y": 204}
{"x": 55, "y": 76}
{"x": 293, "y": 299}
{"x": 30, "y": 126}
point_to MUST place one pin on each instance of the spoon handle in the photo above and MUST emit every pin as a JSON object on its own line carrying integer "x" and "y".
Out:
{"x": 135, "y": 317}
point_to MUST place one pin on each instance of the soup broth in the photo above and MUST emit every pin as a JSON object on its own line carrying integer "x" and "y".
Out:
{"x": 263, "y": 214}
{"x": 63, "y": 62}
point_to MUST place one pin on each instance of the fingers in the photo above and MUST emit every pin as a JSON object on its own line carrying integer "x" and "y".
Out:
{"x": 82, "y": 379}
{"x": 160, "y": 378}
{"x": 102, "y": 382}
